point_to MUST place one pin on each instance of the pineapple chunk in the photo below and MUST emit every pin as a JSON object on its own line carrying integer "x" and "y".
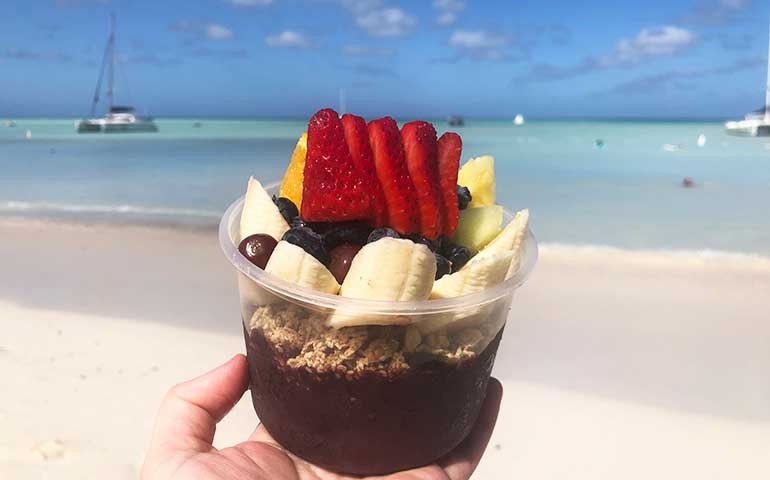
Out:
{"x": 478, "y": 226}
{"x": 478, "y": 174}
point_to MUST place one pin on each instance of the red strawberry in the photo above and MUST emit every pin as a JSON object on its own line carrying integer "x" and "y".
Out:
{"x": 393, "y": 175}
{"x": 357, "y": 138}
{"x": 333, "y": 189}
{"x": 421, "y": 151}
{"x": 450, "y": 148}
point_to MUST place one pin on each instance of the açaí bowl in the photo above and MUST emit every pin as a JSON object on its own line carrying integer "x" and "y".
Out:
{"x": 371, "y": 399}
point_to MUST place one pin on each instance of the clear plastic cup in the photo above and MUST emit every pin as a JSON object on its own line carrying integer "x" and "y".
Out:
{"x": 368, "y": 399}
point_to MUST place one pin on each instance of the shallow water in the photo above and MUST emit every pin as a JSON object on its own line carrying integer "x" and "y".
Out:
{"x": 627, "y": 193}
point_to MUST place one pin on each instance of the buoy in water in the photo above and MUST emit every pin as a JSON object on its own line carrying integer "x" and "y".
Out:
{"x": 701, "y": 140}
{"x": 688, "y": 182}
{"x": 599, "y": 143}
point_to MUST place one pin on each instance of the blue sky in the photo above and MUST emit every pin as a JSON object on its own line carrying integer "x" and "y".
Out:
{"x": 428, "y": 58}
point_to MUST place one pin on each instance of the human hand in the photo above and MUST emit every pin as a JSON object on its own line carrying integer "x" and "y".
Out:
{"x": 181, "y": 446}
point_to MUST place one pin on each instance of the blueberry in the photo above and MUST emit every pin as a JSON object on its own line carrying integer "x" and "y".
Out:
{"x": 287, "y": 208}
{"x": 346, "y": 232}
{"x": 310, "y": 242}
{"x": 433, "y": 245}
{"x": 458, "y": 255}
{"x": 382, "y": 233}
{"x": 297, "y": 222}
{"x": 463, "y": 197}
{"x": 443, "y": 266}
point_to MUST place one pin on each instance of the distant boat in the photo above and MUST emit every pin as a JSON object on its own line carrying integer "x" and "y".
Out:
{"x": 518, "y": 120}
{"x": 455, "y": 121}
{"x": 701, "y": 140}
{"x": 756, "y": 123}
{"x": 118, "y": 119}
{"x": 672, "y": 147}
{"x": 10, "y": 123}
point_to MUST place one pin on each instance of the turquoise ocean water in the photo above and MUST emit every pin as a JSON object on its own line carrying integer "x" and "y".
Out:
{"x": 625, "y": 194}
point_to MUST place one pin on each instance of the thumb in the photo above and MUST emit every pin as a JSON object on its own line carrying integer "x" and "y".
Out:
{"x": 190, "y": 411}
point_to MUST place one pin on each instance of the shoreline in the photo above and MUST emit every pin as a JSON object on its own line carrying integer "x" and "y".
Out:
{"x": 203, "y": 224}
{"x": 640, "y": 356}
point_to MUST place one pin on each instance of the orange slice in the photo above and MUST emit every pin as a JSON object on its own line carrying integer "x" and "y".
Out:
{"x": 291, "y": 187}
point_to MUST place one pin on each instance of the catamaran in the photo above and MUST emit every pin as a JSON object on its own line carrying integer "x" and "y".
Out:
{"x": 119, "y": 118}
{"x": 756, "y": 123}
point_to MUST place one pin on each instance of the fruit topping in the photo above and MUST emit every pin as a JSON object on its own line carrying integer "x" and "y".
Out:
{"x": 477, "y": 276}
{"x": 334, "y": 188}
{"x": 463, "y": 197}
{"x": 291, "y": 186}
{"x": 309, "y": 241}
{"x": 297, "y": 222}
{"x": 260, "y": 215}
{"x": 433, "y": 245}
{"x": 450, "y": 148}
{"x": 393, "y": 175}
{"x": 421, "y": 151}
{"x": 341, "y": 258}
{"x": 443, "y": 266}
{"x": 357, "y": 139}
{"x": 287, "y": 208}
{"x": 382, "y": 233}
{"x": 458, "y": 255}
{"x": 257, "y": 248}
{"x": 478, "y": 174}
{"x": 293, "y": 264}
{"x": 478, "y": 226}
{"x": 346, "y": 232}
{"x": 391, "y": 269}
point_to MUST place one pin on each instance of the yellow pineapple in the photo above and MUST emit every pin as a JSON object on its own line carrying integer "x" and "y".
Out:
{"x": 478, "y": 174}
{"x": 291, "y": 187}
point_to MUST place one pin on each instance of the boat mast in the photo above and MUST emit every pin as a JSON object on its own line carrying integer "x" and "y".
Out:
{"x": 111, "y": 71}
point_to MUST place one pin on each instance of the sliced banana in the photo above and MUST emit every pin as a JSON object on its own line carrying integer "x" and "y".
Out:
{"x": 389, "y": 269}
{"x": 291, "y": 263}
{"x": 260, "y": 215}
{"x": 511, "y": 238}
{"x": 486, "y": 272}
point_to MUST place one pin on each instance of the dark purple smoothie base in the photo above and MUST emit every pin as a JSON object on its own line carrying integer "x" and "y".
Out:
{"x": 370, "y": 419}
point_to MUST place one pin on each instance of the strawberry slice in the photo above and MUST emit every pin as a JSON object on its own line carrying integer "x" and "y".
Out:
{"x": 357, "y": 138}
{"x": 334, "y": 189}
{"x": 393, "y": 175}
{"x": 420, "y": 148}
{"x": 450, "y": 148}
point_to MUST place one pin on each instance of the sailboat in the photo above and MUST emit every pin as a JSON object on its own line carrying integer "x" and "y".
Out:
{"x": 756, "y": 123}
{"x": 119, "y": 118}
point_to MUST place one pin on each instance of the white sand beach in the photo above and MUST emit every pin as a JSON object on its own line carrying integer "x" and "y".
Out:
{"x": 631, "y": 365}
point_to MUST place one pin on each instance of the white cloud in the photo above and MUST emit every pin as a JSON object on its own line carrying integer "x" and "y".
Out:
{"x": 360, "y": 7}
{"x": 652, "y": 42}
{"x": 249, "y": 3}
{"x": 447, "y": 11}
{"x": 480, "y": 44}
{"x": 387, "y": 22}
{"x": 287, "y": 39}
{"x": 477, "y": 39}
{"x": 212, "y": 31}
{"x": 215, "y": 31}
{"x": 448, "y": 5}
{"x": 365, "y": 51}
{"x": 446, "y": 19}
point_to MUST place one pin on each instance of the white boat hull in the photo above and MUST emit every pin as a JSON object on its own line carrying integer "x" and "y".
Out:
{"x": 117, "y": 123}
{"x": 749, "y": 128}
